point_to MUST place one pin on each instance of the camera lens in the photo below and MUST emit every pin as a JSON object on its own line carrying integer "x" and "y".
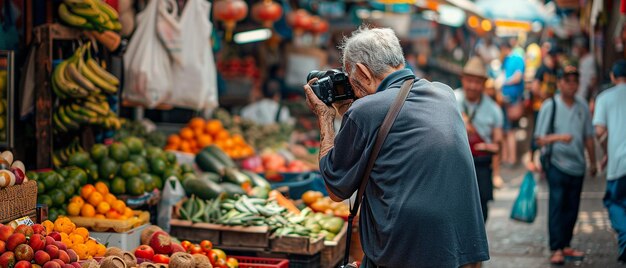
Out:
{"x": 315, "y": 74}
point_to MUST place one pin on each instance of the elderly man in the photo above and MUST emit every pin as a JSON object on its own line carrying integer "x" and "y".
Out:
{"x": 421, "y": 207}
{"x": 483, "y": 121}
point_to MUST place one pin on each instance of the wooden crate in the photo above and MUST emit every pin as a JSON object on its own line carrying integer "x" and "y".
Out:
{"x": 119, "y": 226}
{"x": 297, "y": 244}
{"x": 246, "y": 237}
{"x": 334, "y": 250}
{"x": 186, "y": 230}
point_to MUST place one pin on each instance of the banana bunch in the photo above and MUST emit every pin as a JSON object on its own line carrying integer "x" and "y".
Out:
{"x": 76, "y": 78}
{"x": 90, "y": 14}
{"x": 93, "y": 110}
{"x": 61, "y": 156}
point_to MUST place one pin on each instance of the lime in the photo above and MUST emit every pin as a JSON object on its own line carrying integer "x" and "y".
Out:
{"x": 140, "y": 161}
{"x": 148, "y": 181}
{"x": 118, "y": 186}
{"x": 158, "y": 182}
{"x": 92, "y": 172}
{"x": 79, "y": 174}
{"x": 99, "y": 152}
{"x": 171, "y": 172}
{"x": 51, "y": 180}
{"x": 119, "y": 152}
{"x": 157, "y": 166}
{"x": 129, "y": 170}
{"x": 79, "y": 159}
{"x": 135, "y": 186}
{"x": 170, "y": 157}
{"x": 186, "y": 168}
{"x": 134, "y": 144}
{"x": 107, "y": 169}
{"x": 31, "y": 175}
{"x": 58, "y": 197}
{"x": 41, "y": 188}
{"x": 44, "y": 199}
{"x": 68, "y": 189}
{"x": 53, "y": 214}
{"x": 62, "y": 172}
{"x": 153, "y": 152}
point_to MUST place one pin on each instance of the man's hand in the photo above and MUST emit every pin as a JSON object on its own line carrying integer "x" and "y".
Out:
{"x": 315, "y": 104}
{"x": 593, "y": 170}
{"x": 566, "y": 138}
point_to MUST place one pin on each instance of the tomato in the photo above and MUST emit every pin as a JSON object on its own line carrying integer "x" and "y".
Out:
{"x": 206, "y": 246}
{"x": 160, "y": 258}
{"x": 186, "y": 244}
{"x": 213, "y": 257}
{"x": 144, "y": 252}
{"x": 220, "y": 253}
{"x": 195, "y": 249}
{"x": 221, "y": 263}
{"x": 232, "y": 263}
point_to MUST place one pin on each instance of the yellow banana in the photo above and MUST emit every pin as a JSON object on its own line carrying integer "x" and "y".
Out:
{"x": 110, "y": 11}
{"x": 65, "y": 85}
{"x": 117, "y": 26}
{"x": 66, "y": 120}
{"x": 95, "y": 107}
{"x": 57, "y": 91}
{"x": 77, "y": 3}
{"x": 70, "y": 18}
{"x": 102, "y": 73}
{"x": 95, "y": 79}
{"x": 73, "y": 73}
{"x": 58, "y": 124}
{"x": 86, "y": 12}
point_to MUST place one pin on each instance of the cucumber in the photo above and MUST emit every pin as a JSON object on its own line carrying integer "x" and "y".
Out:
{"x": 202, "y": 188}
{"x": 211, "y": 176}
{"x": 257, "y": 180}
{"x": 231, "y": 189}
{"x": 220, "y": 155}
{"x": 207, "y": 162}
{"x": 235, "y": 176}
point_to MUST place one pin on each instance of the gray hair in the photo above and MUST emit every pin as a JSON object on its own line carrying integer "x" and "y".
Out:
{"x": 378, "y": 49}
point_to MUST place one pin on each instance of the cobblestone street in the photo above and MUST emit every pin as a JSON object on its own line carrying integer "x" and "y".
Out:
{"x": 514, "y": 244}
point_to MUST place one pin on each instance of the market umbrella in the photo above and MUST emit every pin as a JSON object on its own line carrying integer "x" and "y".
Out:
{"x": 521, "y": 10}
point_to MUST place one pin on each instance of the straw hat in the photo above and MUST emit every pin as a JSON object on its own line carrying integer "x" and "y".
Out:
{"x": 475, "y": 67}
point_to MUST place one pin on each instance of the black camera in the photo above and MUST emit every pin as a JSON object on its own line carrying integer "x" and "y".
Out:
{"x": 332, "y": 86}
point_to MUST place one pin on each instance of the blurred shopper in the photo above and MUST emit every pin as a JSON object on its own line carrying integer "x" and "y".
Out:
{"x": 269, "y": 109}
{"x": 610, "y": 120}
{"x": 586, "y": 67}
{"x": 494, "y": 94}
{"x": 417, "y": 211}
{"x": 512, "y": 91}
{"x": 483, "y": 121}
{"x": 542, "y": 88}
{"x": 487, "y": 50}
{"x": 564, "y": 138}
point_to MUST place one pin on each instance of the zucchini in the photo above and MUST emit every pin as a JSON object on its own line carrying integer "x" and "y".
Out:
{"x": 257, "y": 180}
{"x": 207, "y": 162}
{"x": 231, "y": 189}
{"x": 211, "y": 176}
{"x": 235, "y": 176}
{"x": 220, "y": 155}
{"x": 202, "y": 188}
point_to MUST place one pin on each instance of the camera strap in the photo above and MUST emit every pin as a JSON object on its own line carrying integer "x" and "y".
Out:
{"x": 390, "y": 118}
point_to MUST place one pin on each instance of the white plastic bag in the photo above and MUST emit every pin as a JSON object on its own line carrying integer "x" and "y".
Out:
{"x": 171, "y": 195}
{"x": 195, "y": 78}
{"x": 168, "y": 29}
{"x": 147, "y": 65}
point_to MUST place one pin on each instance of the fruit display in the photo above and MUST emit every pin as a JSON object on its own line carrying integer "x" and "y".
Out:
{"x": 138, "y": 129}
{"x": 82, "y": 85}
{"x": 199, "y": 134}
{"x": 320, "y": 203}
{"x": 258, "y": 136}
{"x": 62, "y": 155}
{"x": 33, "y": 246}
{"x": 54, "y": 189}
{"x": 90, "y": 15}
{"x": 74, "y": 238}
{"x": 205, "y": 250}
{"x": 222, "y": 175}
{"x": 95, "y": 201}
{"x": 275, "y": 162}
{"x": 12, "y": 172}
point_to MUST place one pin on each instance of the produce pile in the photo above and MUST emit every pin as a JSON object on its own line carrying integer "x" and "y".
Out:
{"x": 217, "y": 257}
{"x": 55, "y": 188}
{"x": 62, "y": 155}
{"x": 27, "y": 246}
{"x": 97, "y": 202}
{"x": 274, "y": 162}
{"x": 139, "y": 130}
{"x": 278, "y": 213}
{"x": 11, "y": 172}
{"x": 82, "y": 86}
{"x": 320, "y": 203}
{"x": 258, "y": 136}
{"x": 90, "y": 15}
{"x": 199, "y": 134}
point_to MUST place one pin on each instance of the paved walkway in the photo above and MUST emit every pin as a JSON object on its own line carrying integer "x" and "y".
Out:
{"x": 513, "y": 244}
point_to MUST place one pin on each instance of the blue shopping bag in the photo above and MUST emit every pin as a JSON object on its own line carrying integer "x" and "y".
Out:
{"x": 525, "y": 206}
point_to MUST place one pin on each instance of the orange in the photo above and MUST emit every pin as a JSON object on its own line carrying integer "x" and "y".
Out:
{"x": 119, "y": 206}
{"x": 213, "y": 127}
{"x": 87, "y": 190}
{"x": 186, "y": 133}
{"x": 103, "y": 207}
{"x": 223, "y": 135}
{"x": 92, "y": 246}
{"x": 197, "y": 123}
{"x": 102, "y": 188}
{"x": 229, "y": 143}
{"x": 82, "y": 231}
{"x": 122, "y": 217}
{"x": 100, "y": 216}
{"x": 247, "y": 151}
{"x": 173, "y": 140}
{"x": 77, "y": 239}
{"x": 185, "y": 146}
{"x": 87, "y": 211}
{"x": 193, "y": 144}
{"x": 81, "y": 250}
{"x": 48, "y": 225}
{"x": 101, "y": 250}
{"x": 109, "y": 198}
{"x": 238, "y": 140}
{"x": 73, "y": 209}
{"x": 204, "y": 141}
{"x": 128, "y": 212}
{"x": 78, "y": 200}
{"x": 112, "y": 215}
{"x": 64, "y": 225}
{"x": 197, "y": 132}
{"x": 170, "y": 148}
{"x": 95, "y": 199}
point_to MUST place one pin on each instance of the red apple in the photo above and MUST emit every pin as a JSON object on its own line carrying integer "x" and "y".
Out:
{"x": 39, "y": 229}
{"x": 60, "y": 245}
{"x": 37, "y": 242}
{"x": 52, "y": 264}
{"x": 25, "y": 229}
{"x": 161, "y": 243}
{"x": 144, "y": 252}
{"x": 53, "y": 251}
{"x": 60, "y": 262}
{"x": 56, "y": 236}
{"x": 50, "y": 240}
{"x": 22, "y": 264}
{"x": 5, "y": 232}
{"x": 19, "y": 175}
{"x": 3, "y": 247}
{"x": 64, "y": 256}
{"x": 15, "y": 240}
{"x": 41, "y": 257}
{"x": 24, "y": 252}
{"x": 73, "y": 255}
{"x": 76, "y": 265}
{"x": 160, "y": 258}
{"x": 7, "y": 259}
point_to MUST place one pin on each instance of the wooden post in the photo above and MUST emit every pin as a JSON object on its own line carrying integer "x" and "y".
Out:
{"x": 43, "y": 102}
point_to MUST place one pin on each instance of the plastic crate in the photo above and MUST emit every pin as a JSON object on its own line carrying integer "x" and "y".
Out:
{"x": 305, "y": 261}
{"x": 303, "y": 183}
{"x": 256, "y": 262}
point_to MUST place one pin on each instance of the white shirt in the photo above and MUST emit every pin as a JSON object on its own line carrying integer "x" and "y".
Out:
{"x": 263, "y": 112}
{"x": 587, "y": 69}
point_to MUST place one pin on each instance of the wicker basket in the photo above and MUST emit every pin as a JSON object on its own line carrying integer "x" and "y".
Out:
{"x": 18, "y": 201}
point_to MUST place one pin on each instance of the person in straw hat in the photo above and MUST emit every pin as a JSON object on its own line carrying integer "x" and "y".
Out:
{"x": 483, "y": 121}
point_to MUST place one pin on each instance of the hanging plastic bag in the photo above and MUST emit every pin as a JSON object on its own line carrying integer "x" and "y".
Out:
{"x": 195, "y": 77}
{"x": 147, "y": 65}
{"x": 173, "y": 192}
{"x": 168, "y": 29}
{"x": 525, "y": 206}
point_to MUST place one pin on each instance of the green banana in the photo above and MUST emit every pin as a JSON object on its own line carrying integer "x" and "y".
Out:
{"x": 66, "y": 120}
{"x": 101, "y": 72}
{"x": 69, "y": 18}
{"x": 96, "y": 108}
{"x": 86, "y": 112}
{"x": 117, "y": 26}
{"x": 81, "y": 119}
{"x": 56, "y": 162}
{"x": 58, "y": 124}
{"x": 108, "y": 10}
